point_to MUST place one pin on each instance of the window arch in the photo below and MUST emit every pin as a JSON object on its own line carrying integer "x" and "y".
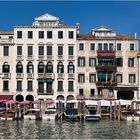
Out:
{"x": 71, "y": 68}
{"x": 60, "y": 67}
{"x": 49, "y": 67}
{"x": 19, "y": 67}
{"x": 5, "y": 67}
{"x": 30, "y": 68}
{"x": 41, "y": 67}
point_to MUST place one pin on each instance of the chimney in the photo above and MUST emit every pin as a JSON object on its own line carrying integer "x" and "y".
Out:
{"x": 78, "y": 27}
{"x": 135, "y": 35}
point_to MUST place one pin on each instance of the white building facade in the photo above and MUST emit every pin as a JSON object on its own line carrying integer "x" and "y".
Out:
{"x": 51, "y": 60}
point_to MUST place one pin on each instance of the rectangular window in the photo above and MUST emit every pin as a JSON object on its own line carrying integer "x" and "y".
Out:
{"x": 70, "y": 34}
{"x": 60, "y": 34}
{"x": 119, "y": 78}
{"x": 92, "y": 92}
{"x": 99, "y": 46}
{"x": 40, "y": 87}
{"x": 49, "y": 50}
{"x": 19, "y": 50}
{"x": 81, "y": 46}
{"x": 30, "y": 34}
{"x": 132, "y": 78}
{"x": 81, "y": 61}
{"x": 6, "y": 51}
{"x": 111, "y": 47}
{"x": 19, "y": 85}
{"x": 41, "y": 34}
{"x": 70, "y": 50}
{"x": 70, "y": 86}
{"x": 92, "y": 46}
{"x": 5, "y": 85}
{"x": 119, "y": 62}
{"x": 81, "y": 92}
{"x": 132, "y": 47}
{"x": 119, "y": 46}
{"x": 30, "y": 85}
{"x": 130, "y": 62}
{"x": 19, "y": 34}
{"x": 60, "y": 85}
{"x": 30, "y": 50}
{"x": 60, "y": 50}
{"x": 105, "y": 46}
{"x": 92, "y": 62}
{"x": 49, "y": 87}
{"x": 41, "y": 50}
{"x": 92, "y": 78}
{"x": 81, "y": 78}
{"x": 49, "y": 34}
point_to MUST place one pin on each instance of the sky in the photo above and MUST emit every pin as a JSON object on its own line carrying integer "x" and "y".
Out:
{"x": 121, "y": 16}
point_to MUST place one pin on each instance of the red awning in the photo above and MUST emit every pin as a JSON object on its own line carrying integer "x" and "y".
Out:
{"x": 6, "y": 97}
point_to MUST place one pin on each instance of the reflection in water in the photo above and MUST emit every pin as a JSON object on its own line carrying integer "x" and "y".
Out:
{"x": 107, "y": 129}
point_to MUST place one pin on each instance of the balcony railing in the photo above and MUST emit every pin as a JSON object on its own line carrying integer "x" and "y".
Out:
{"x": 45, "y": 92}
{"x": 71, "y": 75}
{"x": 20, "y": 57}
{"x": 6, "y": 40}
{"x": 41, "y": 75}
{"x": 60, "y": 57}
{"x": 49, "y": 76}
{"x": 61, "y": 75}
{"x": 49, "y": 57}
{"x": 30, "y": 75}
{"x": 19, "y": 76}
{"x": 30, "y": 57}
{"x": 6, "y": 76}
{"x": 106, "y": 68}
{"x": 106, "y": 53}
{"x": 106, "y": 84}
{"x": 71, "y": 57}
{"x": 41, "y": 57}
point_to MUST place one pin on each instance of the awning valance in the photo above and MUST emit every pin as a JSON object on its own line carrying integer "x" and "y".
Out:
{"x": 6, "y": 97}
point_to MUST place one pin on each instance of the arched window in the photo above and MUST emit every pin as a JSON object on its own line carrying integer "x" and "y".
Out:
{"x": 30, "y": 68}
{"x": 41, "y": 67}
{"x": 5, "y": 67}
{"x": 71, "y": 68}
{"x": 60, "y": 67}
{"x": 19, "y": 67}
{"x": 49, "y": 67}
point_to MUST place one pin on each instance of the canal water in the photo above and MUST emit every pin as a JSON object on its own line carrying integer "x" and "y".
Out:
{"x": 105, "y": 129}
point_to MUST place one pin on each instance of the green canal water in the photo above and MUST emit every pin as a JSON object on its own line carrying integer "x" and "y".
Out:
{"x": 105, "y": 129}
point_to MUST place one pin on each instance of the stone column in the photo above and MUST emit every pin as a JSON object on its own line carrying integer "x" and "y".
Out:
{"x": 115, "y": 94}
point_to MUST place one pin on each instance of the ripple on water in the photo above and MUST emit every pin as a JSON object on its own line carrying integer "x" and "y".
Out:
{"x": 105, "y": 129}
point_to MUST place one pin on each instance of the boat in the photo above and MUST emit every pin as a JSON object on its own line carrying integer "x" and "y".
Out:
{"x": 33, "y": 114}
{"x": 71, "y": 111}
{"x": 49, "y": 114}
{"x": 91, "y": 111}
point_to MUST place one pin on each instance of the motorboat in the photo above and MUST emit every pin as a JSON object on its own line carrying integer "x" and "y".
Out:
{"x": 33, "y": 114}
{"x": 91, "y": 111}
{"x": 49, "y": 114}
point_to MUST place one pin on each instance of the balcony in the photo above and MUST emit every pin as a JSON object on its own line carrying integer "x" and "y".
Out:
{"x": 20, "y": 57}
{"x": 19, "y": 76}
{"x": 45, "y": 92}
{"x": 60, "y": 57}
{"x": 6, "y": 40}
{"x": 106, "y": 53}
{"x": 30, "y": 58}
{"x": 106, "y": 84}
{"x": 81, "y": 97}
{"x": 40, "y": 75}
{"x": 71, "y": 76}
{"x": 49, "y": 57}
{"x": 71, "y": 57}
{"x": 30, "y": 76}
{"x": 106, "y": 68}
{"x": 41, "y": 57}
{"x": 6, "y": 75}
{"x": 60, "y": 75}
{"x": 49, "y": 76}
